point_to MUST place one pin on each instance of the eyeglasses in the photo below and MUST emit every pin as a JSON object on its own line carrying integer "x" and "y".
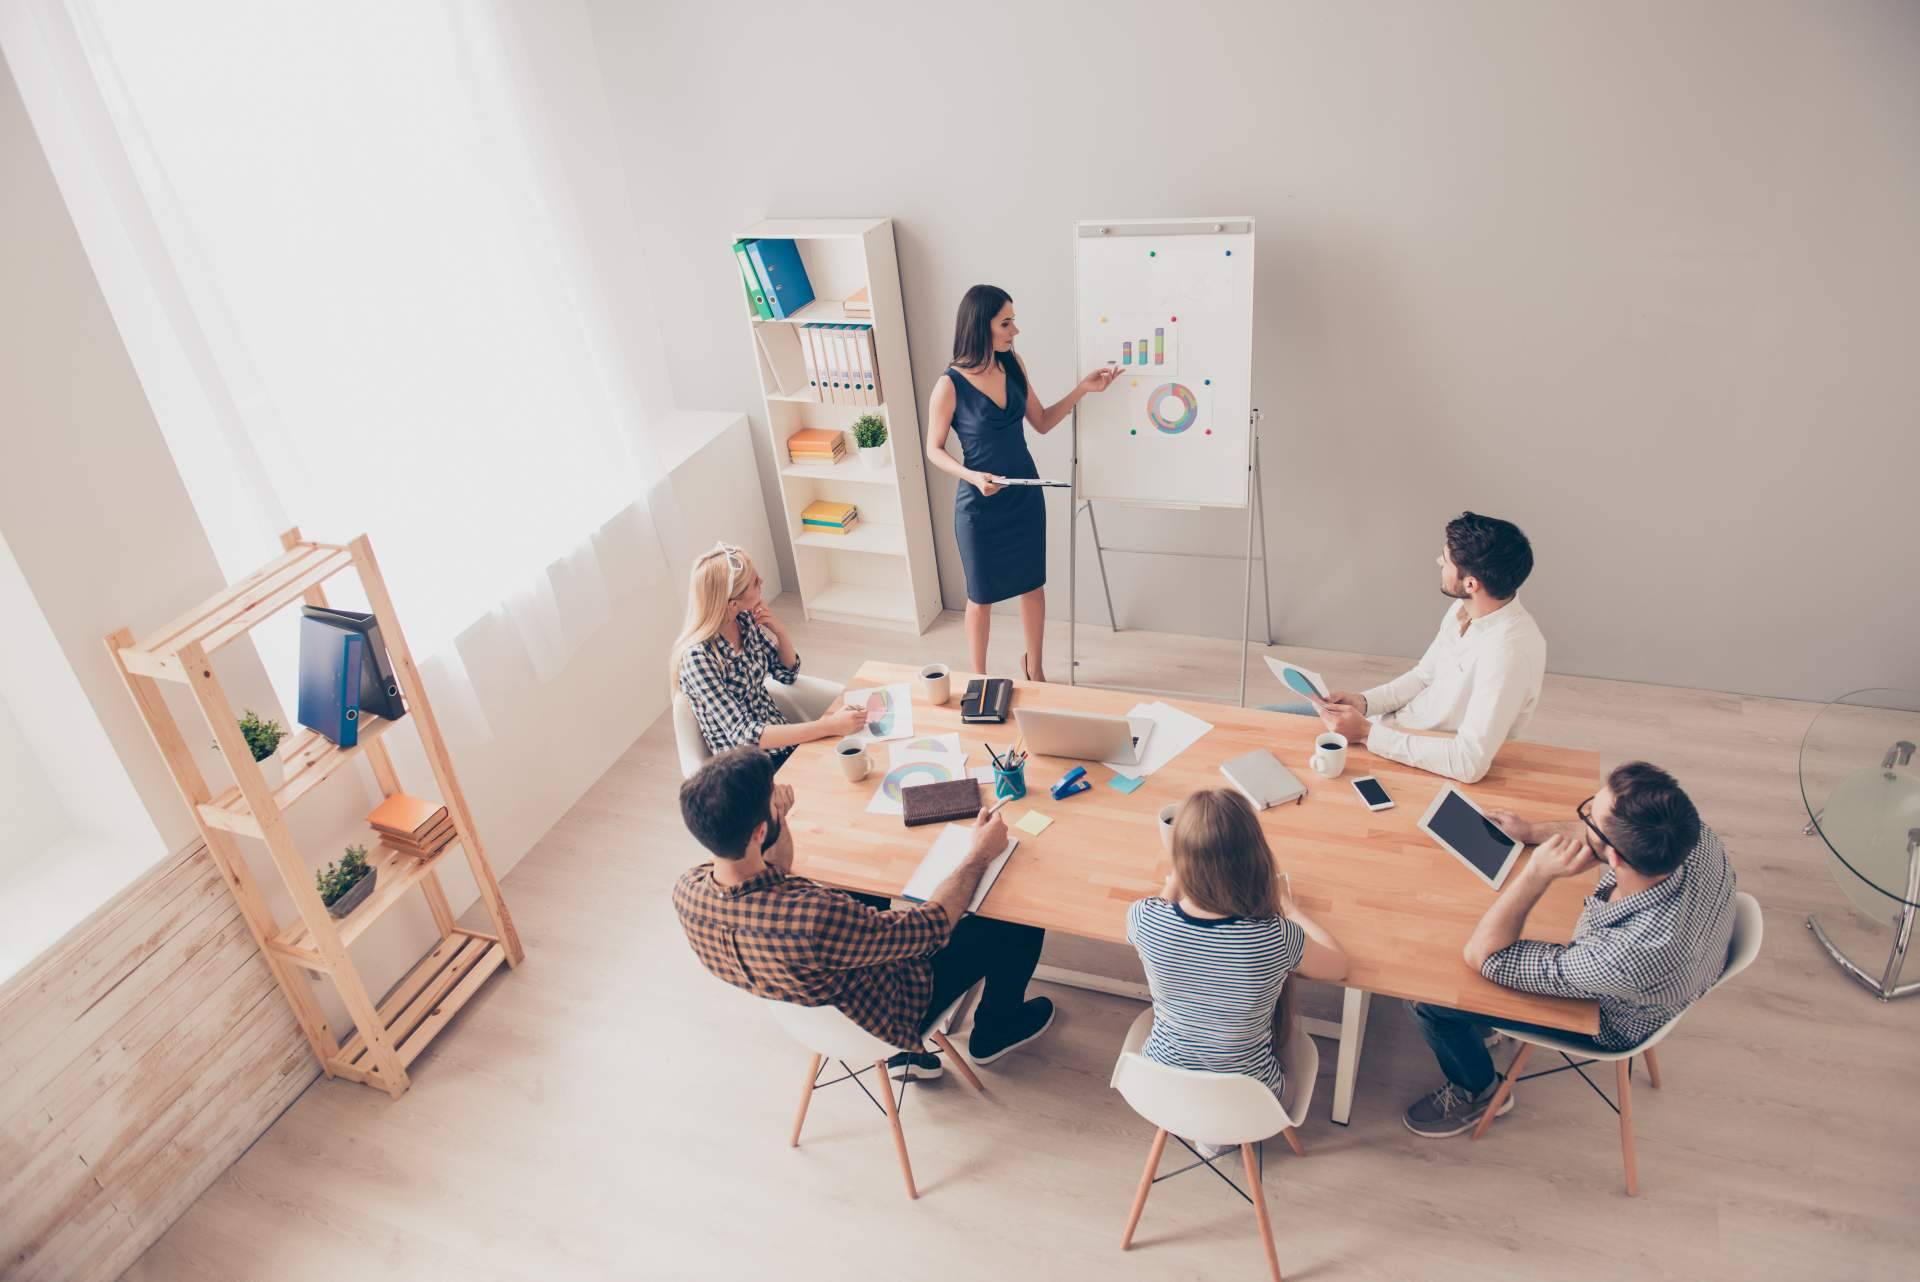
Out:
{"x": 735, "y": 559}
{"x": 1585, "y": 811}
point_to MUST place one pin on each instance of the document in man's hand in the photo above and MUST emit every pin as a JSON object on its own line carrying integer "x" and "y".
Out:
{"x": 949, "y": 851}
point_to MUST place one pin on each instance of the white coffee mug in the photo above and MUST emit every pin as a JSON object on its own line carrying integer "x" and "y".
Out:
{"x": 1167, "y": 814}
{"x": 855, "y": 761}
{"x": 1330, "y": 754}
{"x": 934, "y": 686}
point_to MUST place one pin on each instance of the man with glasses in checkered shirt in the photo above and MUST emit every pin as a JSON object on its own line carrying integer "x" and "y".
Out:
{"x": 1651, "y": 940}
{"x": 757, "y": 926}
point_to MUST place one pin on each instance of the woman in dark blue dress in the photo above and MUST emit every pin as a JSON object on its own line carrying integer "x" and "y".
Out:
{"x": 1002, "y": 529}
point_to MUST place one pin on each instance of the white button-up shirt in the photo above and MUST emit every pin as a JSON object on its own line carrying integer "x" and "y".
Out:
{"x": 1481, "y": 685}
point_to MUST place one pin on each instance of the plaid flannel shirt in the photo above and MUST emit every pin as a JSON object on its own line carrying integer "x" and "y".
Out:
{"x": 793, "y": 940}
{"x": 727, "y": 688}
{"x": 1645, "y": 958}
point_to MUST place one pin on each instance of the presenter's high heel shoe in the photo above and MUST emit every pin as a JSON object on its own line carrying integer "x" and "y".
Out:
{"x": 1025, "y": 672}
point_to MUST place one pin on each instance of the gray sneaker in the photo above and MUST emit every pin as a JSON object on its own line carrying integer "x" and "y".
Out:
{"x": 1451, "y": 1110}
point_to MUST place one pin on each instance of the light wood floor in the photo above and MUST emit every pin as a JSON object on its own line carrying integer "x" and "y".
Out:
{"x": 609, "y": 1111}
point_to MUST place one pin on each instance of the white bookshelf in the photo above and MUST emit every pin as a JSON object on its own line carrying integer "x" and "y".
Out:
{"x": 882, "y": 571}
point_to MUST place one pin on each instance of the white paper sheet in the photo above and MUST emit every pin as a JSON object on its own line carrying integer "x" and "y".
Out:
{"x": 1281, "y": 668}
{"x": 922, "y": 746}
{"x": 948, "y": 852}
{"x": 1174, "y": 732}
{"x": 889, "y": 711}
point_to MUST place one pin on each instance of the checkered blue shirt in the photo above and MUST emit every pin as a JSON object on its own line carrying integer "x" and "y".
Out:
{"x": 727, "y": 688}
{"x": 1645, "y": 958}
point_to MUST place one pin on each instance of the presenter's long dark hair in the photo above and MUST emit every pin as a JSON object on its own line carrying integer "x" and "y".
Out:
{"x": 973, "y": 327}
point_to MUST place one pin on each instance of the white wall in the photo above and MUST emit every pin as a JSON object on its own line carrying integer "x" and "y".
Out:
{"x": 94, "y": 510}
{"x": 1639, "y": 277}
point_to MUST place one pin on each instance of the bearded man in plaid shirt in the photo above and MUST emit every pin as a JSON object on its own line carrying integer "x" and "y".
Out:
{"x": 891, "y": 971}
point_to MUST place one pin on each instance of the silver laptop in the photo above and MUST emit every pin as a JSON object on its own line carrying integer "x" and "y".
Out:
{"x": 1084, "y": 736}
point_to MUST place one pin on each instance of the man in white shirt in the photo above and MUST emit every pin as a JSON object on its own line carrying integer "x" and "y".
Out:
{"x": 1478, "y": 682}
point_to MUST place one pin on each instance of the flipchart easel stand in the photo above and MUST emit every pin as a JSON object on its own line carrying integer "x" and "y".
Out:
{"x": 1256, "y": 513}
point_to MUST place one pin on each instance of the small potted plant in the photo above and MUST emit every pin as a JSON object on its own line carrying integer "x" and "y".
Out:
{"x": 345, "y": 886}
{"x": 870, "y": 434}
{"x": 263, "y": 740}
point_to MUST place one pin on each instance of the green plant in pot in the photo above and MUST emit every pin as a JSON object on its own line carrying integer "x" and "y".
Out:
{"x": 345, "y": 886}
{"x": 870, "y": 434}
{"x": 264, "y": 736}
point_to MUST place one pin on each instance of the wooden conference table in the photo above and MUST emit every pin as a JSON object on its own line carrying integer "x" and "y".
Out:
{"x": 1400, "y": 905}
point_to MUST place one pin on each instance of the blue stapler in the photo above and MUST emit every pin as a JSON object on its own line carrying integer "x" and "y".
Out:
{"x": 1075, "y": 780}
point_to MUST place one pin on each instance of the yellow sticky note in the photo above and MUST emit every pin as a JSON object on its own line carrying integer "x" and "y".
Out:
{"x": 1034, "y": 823}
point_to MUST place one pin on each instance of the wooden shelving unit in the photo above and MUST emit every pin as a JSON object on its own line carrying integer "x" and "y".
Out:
{"x": 884, "y": 571}
{"x": 388, "y": 1037}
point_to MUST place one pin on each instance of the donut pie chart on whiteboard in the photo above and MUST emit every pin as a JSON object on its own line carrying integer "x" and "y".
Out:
{"x": 1173, "y": 408}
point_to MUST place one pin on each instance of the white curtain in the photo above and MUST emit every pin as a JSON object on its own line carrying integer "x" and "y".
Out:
{"x": 375, "y": 264}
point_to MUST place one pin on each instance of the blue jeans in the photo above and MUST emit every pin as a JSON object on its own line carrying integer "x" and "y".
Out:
{"x": 1458, "y": 1039}
{"x": 1299, "y": 708}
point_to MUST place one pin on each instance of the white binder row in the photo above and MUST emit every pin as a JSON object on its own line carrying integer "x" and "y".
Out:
{"x": 841, "y": 368}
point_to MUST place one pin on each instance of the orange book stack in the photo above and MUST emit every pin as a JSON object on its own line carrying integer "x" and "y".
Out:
{"x": 816, "y": 445}
{"x": 413, "y": 826}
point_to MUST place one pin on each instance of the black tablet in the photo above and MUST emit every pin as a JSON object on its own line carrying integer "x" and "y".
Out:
{"x": 1469, "y": 836}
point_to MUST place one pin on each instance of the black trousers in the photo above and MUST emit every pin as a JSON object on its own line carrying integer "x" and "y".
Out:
{"x": 980, "y": 948}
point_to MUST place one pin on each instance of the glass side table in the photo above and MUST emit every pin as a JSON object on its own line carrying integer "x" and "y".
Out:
{"x": 1861, "y": 785}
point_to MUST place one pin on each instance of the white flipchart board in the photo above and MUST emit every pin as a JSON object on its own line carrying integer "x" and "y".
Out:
{"x": 1170, "y": 302}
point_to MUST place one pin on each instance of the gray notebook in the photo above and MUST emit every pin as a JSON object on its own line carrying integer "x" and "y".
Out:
{"x": 1261, "y": 777}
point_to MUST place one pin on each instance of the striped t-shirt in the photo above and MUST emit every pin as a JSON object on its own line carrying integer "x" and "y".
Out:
{"x": 1215, "y": 984}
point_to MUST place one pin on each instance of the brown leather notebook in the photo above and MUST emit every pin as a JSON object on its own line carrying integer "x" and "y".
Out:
{"x": 939, "y": 803}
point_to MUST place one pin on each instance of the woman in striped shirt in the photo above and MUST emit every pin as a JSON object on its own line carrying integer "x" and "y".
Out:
{"x": 1219, "y": 942}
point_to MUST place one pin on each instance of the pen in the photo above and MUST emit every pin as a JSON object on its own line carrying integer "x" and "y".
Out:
{"x": 993, "y": 754}
{"x": 997, "y": 805}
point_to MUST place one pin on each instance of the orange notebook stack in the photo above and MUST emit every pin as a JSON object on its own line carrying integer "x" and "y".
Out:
{"x": 413, "y": 826}
{"x": 816, "y": 445}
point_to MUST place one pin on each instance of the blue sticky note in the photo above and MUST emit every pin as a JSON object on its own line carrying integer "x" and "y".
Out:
{"x": 1124, "y": 783}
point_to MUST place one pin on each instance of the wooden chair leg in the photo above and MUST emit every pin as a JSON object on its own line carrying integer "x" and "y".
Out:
{"x": 1260, "y": 1208}
{"x": 1625, "y": 1083}
{"x": 1146, "y": 1186}
{"x": 1293, "y": 1142}
{"x": 899, "y": 1136}
{"x": 953, "y": 1058}
{"x": 1506, "y": 1089}
{"x": 806, "y": 1098}
{"x": 1653, "y": 1068}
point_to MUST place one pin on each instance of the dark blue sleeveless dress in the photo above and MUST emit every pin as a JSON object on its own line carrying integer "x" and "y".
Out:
{"x": 1003, "y": 539}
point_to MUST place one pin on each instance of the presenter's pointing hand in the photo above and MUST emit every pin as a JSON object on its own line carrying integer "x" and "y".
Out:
{"x": 1101, "y": 379}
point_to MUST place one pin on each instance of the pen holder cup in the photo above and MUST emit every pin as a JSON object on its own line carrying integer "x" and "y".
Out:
{"x": 1010, "y": 783}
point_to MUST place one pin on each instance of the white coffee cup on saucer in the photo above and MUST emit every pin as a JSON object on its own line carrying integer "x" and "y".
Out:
{"x": 935, "y": 687}
{"x": 1329, "y": 754}
{"x": 855, "y": 760}
{"x": 1167, "y": 814}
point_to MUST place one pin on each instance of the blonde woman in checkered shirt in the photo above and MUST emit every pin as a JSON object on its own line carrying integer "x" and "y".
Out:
{"x": 731, "y": 644}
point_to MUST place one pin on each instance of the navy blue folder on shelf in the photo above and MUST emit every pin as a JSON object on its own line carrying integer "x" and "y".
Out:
{"x": 330, "y": 660}
{"x": 379, "y": 690}
{"x": 778, "y": 263}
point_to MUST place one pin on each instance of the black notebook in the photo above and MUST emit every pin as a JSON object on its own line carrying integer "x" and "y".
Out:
{"x": 986, "y": 700}
{"x": 939, "y": 803}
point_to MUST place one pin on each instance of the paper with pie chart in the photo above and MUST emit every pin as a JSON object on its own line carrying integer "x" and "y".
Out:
{"x": 889, "y": 712}
{"x": 907, "y": 767}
